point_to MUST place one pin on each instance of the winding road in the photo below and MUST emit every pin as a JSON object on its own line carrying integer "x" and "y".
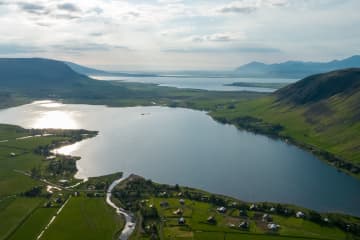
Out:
{"x": 129, "y": 219}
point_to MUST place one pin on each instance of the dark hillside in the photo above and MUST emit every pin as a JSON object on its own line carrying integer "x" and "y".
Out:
{"x": 321, "y": 86}
{"x": 30, "y": 72}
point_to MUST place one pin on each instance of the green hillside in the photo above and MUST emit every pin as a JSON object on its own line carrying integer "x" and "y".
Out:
{"x": 320, "y": 113}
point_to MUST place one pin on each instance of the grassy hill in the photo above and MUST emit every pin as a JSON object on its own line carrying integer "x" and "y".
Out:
{"x": 320, "y": 113}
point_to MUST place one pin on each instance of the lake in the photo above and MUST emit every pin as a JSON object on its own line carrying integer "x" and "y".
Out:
{"x": 187, "y": 147}
{"x": 204, "y": 83}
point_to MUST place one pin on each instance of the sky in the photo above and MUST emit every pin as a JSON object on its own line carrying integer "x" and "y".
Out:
{"x": 150, "y": 35}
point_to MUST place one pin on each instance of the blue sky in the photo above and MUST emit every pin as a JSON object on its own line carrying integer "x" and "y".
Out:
{"x": 179, "y": 34}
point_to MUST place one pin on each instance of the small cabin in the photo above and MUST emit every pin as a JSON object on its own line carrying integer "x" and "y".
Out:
{"x": 181, "y": 221}
{"x": 178, "y": 211}
{"x": 273, "y": 227}
{"x": 182, "y": 201}
{"x": 211, "y": 220}
{"x": 164, "y": 204}
{"x": 244, "y": 225}
{"x": 267, "y": 218}
{"x": 221, "y": 209}
{"x": 300, "y": 214}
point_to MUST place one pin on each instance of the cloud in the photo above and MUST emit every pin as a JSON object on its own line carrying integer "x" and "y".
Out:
{"x": 65, "y": 16}
{"x": 249, "y": 6}
{"x": 96, "y": 34}
{"x": 237, "y": 9}
{"x": 11, "y": 48}
{"x": 218, "y": 37}
{"x": 32, "y": 8}
{"x": 262, "y": 50}
{"x": 87, "y": 47}
{"x": 68, "y": 7}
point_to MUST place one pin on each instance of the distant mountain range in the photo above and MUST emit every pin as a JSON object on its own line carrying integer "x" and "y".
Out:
{"x": 295, "y": 69}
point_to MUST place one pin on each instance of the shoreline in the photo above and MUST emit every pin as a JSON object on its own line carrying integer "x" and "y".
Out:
{"x": 332, "y": 160}
{"x": 130, "y": 224}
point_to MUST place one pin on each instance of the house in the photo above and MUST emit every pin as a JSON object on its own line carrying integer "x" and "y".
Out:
{"x": 252, "y": 207}
{"x": 163, "y": 194}
{"x": 300, "y": 214}
{"x": 244, "y": 225}
{"x": 221, "y": 209}
{"x": 52, "y": 157}
{"x": 272, "y": 209}
{"x": 211, "y": 220}
{"x": 164, "y": 204}
{"x": 181, "y": 221}
{"x": 178, "y": 211}
{"x": 12, "y": 154}
{"x": 182, "y": 201}
{"x": 267, "y": 218}
{"x": 273, "y": 226}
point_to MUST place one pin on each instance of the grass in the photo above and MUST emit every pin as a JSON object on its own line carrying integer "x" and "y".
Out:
{"x": 156, "y": 207}
{"x": 85, "y": 218}
{"x": 33, "y": 225}
{"x": 196, "y": 214}
{"x": 25, "y": 217}
{"x": 13, "y": 211}
{"x": 11, "y": 181}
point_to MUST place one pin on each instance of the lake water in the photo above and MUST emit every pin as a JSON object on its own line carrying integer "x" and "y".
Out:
{"x": 174, "y": 145}
{"x": 204, "y": 83}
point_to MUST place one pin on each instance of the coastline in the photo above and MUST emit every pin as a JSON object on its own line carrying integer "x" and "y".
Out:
{"x": 129, "y": 219}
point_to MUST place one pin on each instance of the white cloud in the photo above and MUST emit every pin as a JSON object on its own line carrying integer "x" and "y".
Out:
{"x": 219, "y": 37}
{"x": 102, "y": 31}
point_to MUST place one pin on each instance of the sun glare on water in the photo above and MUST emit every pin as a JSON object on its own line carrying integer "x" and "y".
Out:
{"x": 52, "y": 115}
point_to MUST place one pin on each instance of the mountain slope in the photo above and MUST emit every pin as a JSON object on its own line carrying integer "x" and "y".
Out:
{"x": 296, "y": 69}
{"x": 30, "y": 72}
{"x": 95, "y": 72}
{"x": 320, "y": 113}
{"x": 85, "y": 70}
{"x": 321, "y": 86}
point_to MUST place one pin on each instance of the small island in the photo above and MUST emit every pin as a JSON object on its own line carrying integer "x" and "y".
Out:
{"x": 270, "y": 85}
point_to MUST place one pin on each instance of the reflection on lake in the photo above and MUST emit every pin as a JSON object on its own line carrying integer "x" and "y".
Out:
{"x": 187, "y": 147}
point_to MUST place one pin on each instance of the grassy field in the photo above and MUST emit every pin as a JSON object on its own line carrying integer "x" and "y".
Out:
{"x": 34, "y": 224}
{"x": 23, "y": 210}
{"x": 15, "y": 210}
{"x": 85, "y": 218}
{"x": 196, "y": 214}
{"x": 160, "y": 207}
